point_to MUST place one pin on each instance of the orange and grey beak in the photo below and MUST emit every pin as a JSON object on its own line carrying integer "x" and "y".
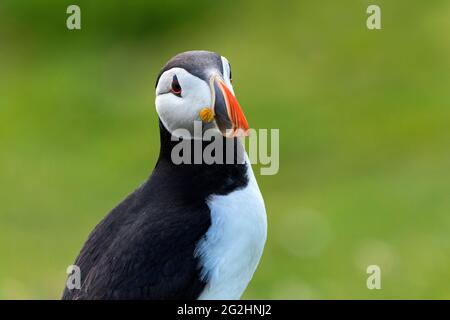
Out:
{"x": 229, "y": 117}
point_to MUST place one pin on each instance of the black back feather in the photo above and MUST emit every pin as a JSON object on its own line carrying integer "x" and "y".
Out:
{"x": 144, "y": 248}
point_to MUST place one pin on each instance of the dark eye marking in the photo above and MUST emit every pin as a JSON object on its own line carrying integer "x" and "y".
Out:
{"x": 231, "y": 77}
{"x": 175, "y": 87}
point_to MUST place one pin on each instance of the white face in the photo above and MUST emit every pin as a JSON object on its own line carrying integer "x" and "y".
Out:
{"x": 180, "y": 96}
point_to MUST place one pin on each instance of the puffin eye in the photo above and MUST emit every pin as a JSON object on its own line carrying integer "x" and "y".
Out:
{"x": 175, "y": 87}
{"x": 231, "y": 77}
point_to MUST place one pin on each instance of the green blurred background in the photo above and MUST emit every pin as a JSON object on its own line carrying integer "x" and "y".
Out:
{"x": 363, "y": 115}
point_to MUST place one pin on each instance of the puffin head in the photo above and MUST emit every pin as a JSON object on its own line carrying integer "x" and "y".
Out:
{"x": 196, "y": 86}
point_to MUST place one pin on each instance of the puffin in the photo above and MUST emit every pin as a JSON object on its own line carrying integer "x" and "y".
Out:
{"x": 193, "y": 230}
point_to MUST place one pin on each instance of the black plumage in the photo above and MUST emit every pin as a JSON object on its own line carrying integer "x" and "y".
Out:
{"x": 144, "y": 248}
{"x": 197, "y": 63}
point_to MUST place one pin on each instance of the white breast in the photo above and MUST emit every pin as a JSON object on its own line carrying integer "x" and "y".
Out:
{"x": 230, "y": 251}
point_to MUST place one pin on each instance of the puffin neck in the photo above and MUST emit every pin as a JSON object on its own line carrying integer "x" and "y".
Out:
{"x": 229, "y": 145}
{"x": 216, "y": 178}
